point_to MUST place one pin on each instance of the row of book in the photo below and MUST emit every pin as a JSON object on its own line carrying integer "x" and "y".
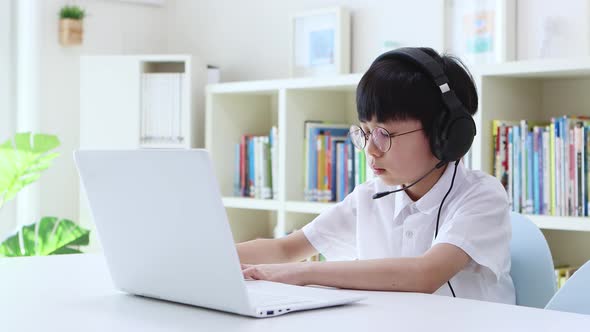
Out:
{"x": 544, "y": 167}
{"x": 161, "y": 108}
{"x": 333, "y": 167}
{"x": 316, "y": 258}
{"x": 256, "y": 166}
{"x": 563, "y": 273}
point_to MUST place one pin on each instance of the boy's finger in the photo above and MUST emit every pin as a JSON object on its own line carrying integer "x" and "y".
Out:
{"x": 248, "y": 274}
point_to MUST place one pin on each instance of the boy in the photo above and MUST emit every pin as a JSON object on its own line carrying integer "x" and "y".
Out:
{"x": 408, "y": 241}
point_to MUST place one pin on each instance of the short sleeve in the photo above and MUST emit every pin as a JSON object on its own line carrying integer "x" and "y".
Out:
{"x": 481, "y": 227}
{"x": 333, "y": 232}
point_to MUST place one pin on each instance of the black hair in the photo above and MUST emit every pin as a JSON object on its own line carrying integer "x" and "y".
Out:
{"x": 396, "y": 89}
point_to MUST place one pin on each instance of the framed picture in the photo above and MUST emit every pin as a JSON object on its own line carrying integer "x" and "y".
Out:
{"x": 480, "y": 31}
{"x": 320, "y": 43}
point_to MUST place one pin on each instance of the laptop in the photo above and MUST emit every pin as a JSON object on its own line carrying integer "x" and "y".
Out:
{"x": 162, "y": 225}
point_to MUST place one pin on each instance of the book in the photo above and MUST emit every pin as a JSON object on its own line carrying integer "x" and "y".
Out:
{"x": 336, "y": 165}
{"x": 316, "y": 169}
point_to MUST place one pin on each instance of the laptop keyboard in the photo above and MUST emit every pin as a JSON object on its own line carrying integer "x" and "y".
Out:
{"x": 260, "y": 299}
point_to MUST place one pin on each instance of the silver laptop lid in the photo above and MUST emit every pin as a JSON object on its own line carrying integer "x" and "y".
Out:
{"x": 162, "y": 225}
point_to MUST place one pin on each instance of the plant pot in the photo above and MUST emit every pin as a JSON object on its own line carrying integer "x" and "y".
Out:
{"x": 70, "y": 32}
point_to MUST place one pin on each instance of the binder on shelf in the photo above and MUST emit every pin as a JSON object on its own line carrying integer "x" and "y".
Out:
{"x": 213, "y": 74}
{"x": 161, "y": 108}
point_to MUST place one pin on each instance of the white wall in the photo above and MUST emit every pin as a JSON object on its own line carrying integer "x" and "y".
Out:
{"x": 7, "y": 121}
{"x": 250, "y": 39}
{"x": 568, "y": 33}
{"x": 111, "y": 28}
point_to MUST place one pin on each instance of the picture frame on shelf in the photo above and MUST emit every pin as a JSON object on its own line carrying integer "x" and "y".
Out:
{"x": 480, "y": 32}
{"x": 320, "y": 42}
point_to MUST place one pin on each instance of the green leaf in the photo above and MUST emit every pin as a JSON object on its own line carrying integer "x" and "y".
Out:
{"x": 22, "y": 160}
{"x": 44, "y": 143}
{"x": 66, "y": 250}
{"x": 50, "y": 236}
{"x": 83, "y": 240}
{"x": 72, "y": 11}
{"x": 10, "y": 247}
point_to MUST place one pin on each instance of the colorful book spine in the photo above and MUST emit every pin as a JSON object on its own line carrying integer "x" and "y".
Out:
{"x": 587, "y": 168}
{"x": 517, "y": 204}
{"x": 319, "y": 167}
{"x": 559, "y": 162}
{"x": 266, "y": 186}
{"x": 523, "y": 166}
{"x": 553, "y": 194}
{"x": 571, "y": 174}
{"x": 530, "y": 179}
{"x": 546, "y": 174}
{"x": 352, "y": 170}
{"x": 510, "y": 187}
{"x": 341, "y": 171}
{"x": 252, "y": 167}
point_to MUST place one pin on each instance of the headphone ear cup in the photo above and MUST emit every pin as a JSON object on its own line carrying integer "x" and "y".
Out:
{"x": 459, "y": 137}
{"x": 437, "y": 141}
{"x": 452, "y": 138}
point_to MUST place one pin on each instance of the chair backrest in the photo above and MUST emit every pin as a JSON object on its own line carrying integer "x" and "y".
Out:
{"x": 574, "y": 295}
{"x": 532, "y": 269}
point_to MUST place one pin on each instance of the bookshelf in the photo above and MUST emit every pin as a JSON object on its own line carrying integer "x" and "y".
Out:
{"x": 537, "y": 90}
{"x": 115, "y": 101}
{"x": 533, "y": 90}
{"x": 236, "y": 109}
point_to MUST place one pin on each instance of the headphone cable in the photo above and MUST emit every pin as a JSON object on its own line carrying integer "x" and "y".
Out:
{"x": 438, "y": 216}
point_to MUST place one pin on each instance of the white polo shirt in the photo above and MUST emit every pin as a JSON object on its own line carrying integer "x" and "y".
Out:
{"x": 475, "y": 217}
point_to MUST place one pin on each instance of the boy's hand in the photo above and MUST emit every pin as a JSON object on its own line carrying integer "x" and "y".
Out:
{"x": 289, "y": 273}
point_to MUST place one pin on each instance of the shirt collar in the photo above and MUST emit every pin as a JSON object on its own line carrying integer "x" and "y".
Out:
{"x": 431, "y": 200}
{"x": 433, "y": 197}
{"x": 427, "y": 203}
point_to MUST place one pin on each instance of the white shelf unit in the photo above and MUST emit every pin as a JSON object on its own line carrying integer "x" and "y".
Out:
{"x": 235, "y": 109}
{"x": 111, "y": 99}
{"x": 536, "y": 91}
{"x": 111, "y": 106}
{"x": 561, "y": 223}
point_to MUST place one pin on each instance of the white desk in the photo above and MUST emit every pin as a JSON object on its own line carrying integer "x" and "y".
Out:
{"x": 74, "y": 293}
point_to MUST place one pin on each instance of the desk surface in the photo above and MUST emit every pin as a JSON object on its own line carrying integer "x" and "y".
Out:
{"x": 75, "y": 293}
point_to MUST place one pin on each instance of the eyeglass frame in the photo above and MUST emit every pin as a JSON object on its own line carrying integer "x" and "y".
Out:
{"x": 370, "y": 133}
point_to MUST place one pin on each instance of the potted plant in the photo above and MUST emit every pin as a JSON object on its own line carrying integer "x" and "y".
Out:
{"x": 22, "y": 160}
{"x": 70, "y": 25}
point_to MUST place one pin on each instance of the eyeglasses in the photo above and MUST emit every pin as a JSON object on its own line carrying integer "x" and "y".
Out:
{"x": 381, "y": 137}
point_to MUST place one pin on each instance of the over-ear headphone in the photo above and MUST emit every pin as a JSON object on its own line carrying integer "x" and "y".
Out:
{"x": 453, "y": 129}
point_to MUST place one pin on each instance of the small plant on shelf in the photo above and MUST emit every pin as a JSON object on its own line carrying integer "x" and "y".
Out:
{"x": 70, "y": 25}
